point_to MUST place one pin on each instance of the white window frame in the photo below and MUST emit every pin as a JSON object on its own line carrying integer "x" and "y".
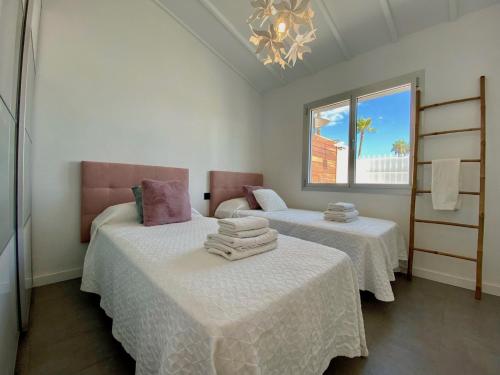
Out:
{"x": 416, "y": 80}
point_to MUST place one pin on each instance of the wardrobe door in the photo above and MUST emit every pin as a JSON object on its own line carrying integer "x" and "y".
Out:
{"x": 7, "y": 175}
{"x": 24, "y": 162}
{"x": 11, "y": 19}
{"x": 9, "y": 332}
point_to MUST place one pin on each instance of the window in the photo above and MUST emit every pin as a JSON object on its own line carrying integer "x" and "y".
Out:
{"x": 361, "y": 138}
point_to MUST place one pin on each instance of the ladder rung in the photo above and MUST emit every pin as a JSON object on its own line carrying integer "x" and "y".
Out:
{"x": 460, "y": 192}
{"x": 463, "y": 161}
{"x": 450, "y": 132}
{"x": 422, "y": 108}
{"x": 445, "y": 254}
{"x": 447, "y": 223}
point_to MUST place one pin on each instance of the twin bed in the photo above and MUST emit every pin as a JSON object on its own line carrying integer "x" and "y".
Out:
{"x": 375, "y": 246}
{"x": 178, "y": 309}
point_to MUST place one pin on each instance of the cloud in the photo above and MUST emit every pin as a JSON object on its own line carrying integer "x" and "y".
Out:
{"x": 336, "y": 115}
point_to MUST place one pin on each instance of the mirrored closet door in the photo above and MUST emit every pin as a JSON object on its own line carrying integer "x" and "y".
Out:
{"x": 24, "y": 162}
{"x": 11, "y": 22}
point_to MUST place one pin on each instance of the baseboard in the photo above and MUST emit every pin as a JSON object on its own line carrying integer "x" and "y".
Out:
{"x": 462, "y": 282}
{"x": 51, "y": 278}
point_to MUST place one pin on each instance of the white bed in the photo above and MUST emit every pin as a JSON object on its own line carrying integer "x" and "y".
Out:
{"x": 179, "y": 310}
{"x": 375, "y": 246}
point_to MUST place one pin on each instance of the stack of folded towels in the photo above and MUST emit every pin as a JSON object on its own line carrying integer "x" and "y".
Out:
{"x": 240, "y": 238}
{"x": 341, "y": 212}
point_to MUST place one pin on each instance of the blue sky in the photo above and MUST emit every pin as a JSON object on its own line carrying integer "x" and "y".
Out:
{"x": 390, "y": 116}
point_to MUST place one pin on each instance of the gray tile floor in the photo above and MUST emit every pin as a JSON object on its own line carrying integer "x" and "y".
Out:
{"x": 431, "y": 328}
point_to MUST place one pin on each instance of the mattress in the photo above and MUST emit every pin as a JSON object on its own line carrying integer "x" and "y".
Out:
{"x": 375, "y": 246}
{"x": 177, "y": 309}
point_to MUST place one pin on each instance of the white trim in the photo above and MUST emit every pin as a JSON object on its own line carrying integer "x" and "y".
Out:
{"x": 389, "y": 19}
{"x": 462, "y": 282}
{"x": 51, "y": 278}
{"x": 232, "y": 29}
{"x": 333, "y": 28}
{"x": 206, "y": 44}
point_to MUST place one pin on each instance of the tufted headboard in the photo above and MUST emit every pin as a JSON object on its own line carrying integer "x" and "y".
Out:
{"x": 107, "y": 184}
{"x": 229, "y": 185}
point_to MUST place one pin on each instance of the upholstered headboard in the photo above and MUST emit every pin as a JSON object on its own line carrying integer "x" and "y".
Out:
{"x": 107, "y": 184}
{"x": 229, "y": 185}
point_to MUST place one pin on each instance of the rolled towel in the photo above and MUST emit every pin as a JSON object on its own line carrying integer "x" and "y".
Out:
{"x": 341, "y": 215}
{"x": 243, "y": 244}
{"x": 244, "y": 233}
{"x": 232, "y": 254}
{"x": 341, "y": 206}
{"x": 243, "y": 223}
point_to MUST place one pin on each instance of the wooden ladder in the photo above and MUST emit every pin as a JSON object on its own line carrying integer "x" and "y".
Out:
{"x": 414, "y": 191}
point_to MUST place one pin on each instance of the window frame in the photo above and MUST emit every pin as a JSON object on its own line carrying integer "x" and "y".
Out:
{"x": 416, "y": 79}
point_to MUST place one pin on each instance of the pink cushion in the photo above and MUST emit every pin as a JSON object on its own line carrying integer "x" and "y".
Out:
{"x": 252, "y": 202}
{"x": 165, "y": 202}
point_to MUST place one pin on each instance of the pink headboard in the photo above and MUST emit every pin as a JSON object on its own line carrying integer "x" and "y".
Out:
{"x": 229, "y": 185}
{"x": 107, "y": 184}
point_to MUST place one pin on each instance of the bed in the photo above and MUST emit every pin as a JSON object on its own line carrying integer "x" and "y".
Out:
{"x": 177, "y": 309}
{"x": 375, "y": 246}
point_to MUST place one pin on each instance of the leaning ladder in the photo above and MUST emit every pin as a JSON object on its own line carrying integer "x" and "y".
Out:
{"x": 414, "y": 191}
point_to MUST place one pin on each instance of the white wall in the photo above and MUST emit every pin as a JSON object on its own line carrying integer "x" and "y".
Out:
{"x": 453, "y": 56}
{"x": 121, "y": 81}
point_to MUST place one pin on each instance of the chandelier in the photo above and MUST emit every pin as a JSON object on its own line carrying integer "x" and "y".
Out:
{"x": 281, "y": 30}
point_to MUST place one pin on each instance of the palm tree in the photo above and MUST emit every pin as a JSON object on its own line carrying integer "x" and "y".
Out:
{"x": 364, "y": 125}
{"x": 400, "y": 147}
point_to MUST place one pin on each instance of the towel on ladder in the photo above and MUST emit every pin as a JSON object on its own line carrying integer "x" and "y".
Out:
{"x": 445, "y": 184}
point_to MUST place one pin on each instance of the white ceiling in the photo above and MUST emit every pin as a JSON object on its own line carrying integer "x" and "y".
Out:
{"x": 345, "y": 28}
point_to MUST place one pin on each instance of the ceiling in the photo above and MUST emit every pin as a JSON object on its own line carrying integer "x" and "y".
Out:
{"x": 346, "y": 28}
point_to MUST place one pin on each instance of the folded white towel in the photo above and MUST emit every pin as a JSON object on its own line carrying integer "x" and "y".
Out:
{"x": 244, "y": 233}
{"x": 341, "y": 206}
{"x": 342, "y": 220}
{"x": 445, "y": 184}
{"x": 243, "y": 244}
{"x": 341, "y": 214}
{"x": 243, "y": 223}
{"x": 232, "y": 254}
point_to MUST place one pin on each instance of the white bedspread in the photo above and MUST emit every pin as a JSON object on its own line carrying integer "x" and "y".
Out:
{"x": 374, "y": 245}
{"x": 180, "y": 310}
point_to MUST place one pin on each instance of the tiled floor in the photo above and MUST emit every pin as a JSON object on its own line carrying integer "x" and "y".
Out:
{"x": 430, "y": 329}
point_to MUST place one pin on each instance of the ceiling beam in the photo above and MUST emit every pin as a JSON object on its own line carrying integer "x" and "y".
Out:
{"x": 206, "y": 44}
{"x": 232, "y": 29}
{"x": 308, "y": 66}
{"x": 333, "y": 28}
{"x": 389, "y": 19}
{"x": 452, "y": 10}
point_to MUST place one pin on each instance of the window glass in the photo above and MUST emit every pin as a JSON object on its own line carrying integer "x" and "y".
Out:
{"x": 329, "y": 144}
{"x": 383, "y": 124}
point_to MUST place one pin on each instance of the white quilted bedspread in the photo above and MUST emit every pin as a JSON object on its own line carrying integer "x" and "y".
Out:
{"x": 180, "y": 310}
{"x": 375, "y": 246}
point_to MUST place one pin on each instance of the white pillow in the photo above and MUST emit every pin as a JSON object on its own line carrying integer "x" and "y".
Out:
{"x": 228, "y": 208}
{"x": 120, "y": 213}
{"x": 195, "y": 212}
{"x": 269, "y": 200}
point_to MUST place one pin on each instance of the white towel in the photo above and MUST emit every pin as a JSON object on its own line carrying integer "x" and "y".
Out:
{"x": 243, "y": 244}
{"x": 243, "y": 233}
{"x": 341, "y": 220}
{"x": 341, "y": 206}
{"x": 341, "y": 215}
{"x": 232, "y": 254}
{"x": 243, "y": 223}
{"x": 445, "y": 184}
